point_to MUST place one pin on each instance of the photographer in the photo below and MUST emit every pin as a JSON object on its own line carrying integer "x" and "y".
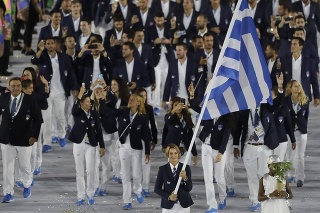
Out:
{"x": 178, "y": 128}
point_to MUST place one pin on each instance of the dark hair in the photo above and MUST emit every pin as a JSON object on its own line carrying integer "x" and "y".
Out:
{"x": 86, "y": 20}
{"x": 184, "y": 45}
{"x": 54, "y": 11}
{"x": 299, "y": 29}
{"x": 129, "y": 33}
{"x": 84, "y": 97}
{"x": 26, "y": 83}
{"x": 118, "y": 18}
{"x": 96, "y": 40}
{"x": 196, "y": 37}
{"x": 14, "y": 79}
{"x": 124, "y": 93}
{"x": 76, "y": 2}
{"x": 129, "y": 44}
{"x": 204, "y": 16}
{"x": 138, "y": 30}
{"x": 185, "y": 113}
{"x": 69, "y": 36}
{"x": 301, "y": 41}
{"x": 34, "y": 77}
{"x": 300, "y": 16}
{"x": 274, "y": 46}
{"x": 207, "y": 35}
{"x": 50, "y": 38}
{"x": 284, "y": 4}
{"x": 57, "y": 39}
{"x": 158, "y": 14}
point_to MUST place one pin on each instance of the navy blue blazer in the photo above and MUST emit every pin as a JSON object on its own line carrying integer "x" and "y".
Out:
{"x": 190, "y": 31}
{"x": 146, "y": 59}
{"x": 151, "y": 34}
{"x": 149, "y": 21}
{"x": 139, "y": 73}
{"x": 46, "y": 32}
{"x": 308, "y": 75}
{"x": 299, "y": 120}
{"x": 173, "y": 7}
{"x": 172, "y": 81}
{"x": 118, "y": 12}
{"x": 26, "y": 124}
{"x": 87, "y": 42}
{"x": 313, "y": 21}
{"x": 275, "y": 72}
{"x": 225, "y": 19}
{"x": 174, "y": 132}
{"x": 67, "y": 76}
{"x": 101, "y": 11}
{"x": 86, "y": 63}
{"x": 84, "y": 125}
{"x": 283, "y": 124}
{"x": 68, "y": 22}
{"x": 267, "y": 119}
{"x": 138, "y": 129}
{"x": 165, "y": 185}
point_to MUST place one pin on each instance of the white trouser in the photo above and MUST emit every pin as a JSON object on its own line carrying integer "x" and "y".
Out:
{"x": 55, "y": 111}
{"x": 297, "y": 156}
{"x": 208, "y": 157}
{"x": 115, "y": 157}
{"x": 177, "y": 208}
{"x": 9, "y": 155}
{"x": 84, "y": 154}
{"x": 281, "y": 150}
{"x": 36, "y": 157}
{"x": 161, "y": 72}
{"x": 229, "y": 170}
{"x": 146, "y": 168}
{"x": 149, "y": 94}
{"x": 68, "y": 110}
{"x": 255, "y": 161}
{"x": 105, "y": 161}
{"x": 130, "y": 166}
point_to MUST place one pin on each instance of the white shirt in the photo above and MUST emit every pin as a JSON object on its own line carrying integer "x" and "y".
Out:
{"x": 96, "y": 68}
{"x": 197, "y": 5}
{"x": 306, "y": 10}
{"x": 124, "y": 10}
{"x": 76, "y": 24}
{"x": 119, "y": 34}
{"x": 209, "y": 61}
{"x": 216, "y": 14}
{"x": 83, "y": 40}
{"x": 182, "y": 70}
{"x": 253, "y": 10}
{"x": 65, "y": 14}
{"x": 160, "y": 32}
{"x": 56, "y": 88}
{"x": 129, "y": 67}
{"x": 270, "y": 65}
{"x": 55, "y": 32}
{"x": 18, "y": 103}
{"x": 187, "y": 20}
{"x": 165, "y": 8}
{"x": 202, "y": 34}
{"x": 144, "y": 17}
{"x": 176, "y": 167}
{"x": 140, "y": 49}
{"x": 251, "y": 128}
{"x": 275, "y": 7}
{"x": 127, "y": 144}
{"x": 296, "y": 69}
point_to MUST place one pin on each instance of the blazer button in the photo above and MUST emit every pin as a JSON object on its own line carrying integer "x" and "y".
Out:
{"x": 86, "y": 127}
{"x": 181, "y": 133}
{"x": 296, "y": 116}
{"x": 91, "y": 75}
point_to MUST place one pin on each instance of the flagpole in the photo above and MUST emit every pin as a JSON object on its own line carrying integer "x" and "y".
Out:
{"x": 207, "y": 97}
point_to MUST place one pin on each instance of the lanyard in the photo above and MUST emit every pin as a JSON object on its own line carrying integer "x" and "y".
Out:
{"x": 18, "y": 104}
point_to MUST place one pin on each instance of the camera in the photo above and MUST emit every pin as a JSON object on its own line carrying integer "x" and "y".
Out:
{"x": 92, "y": 46}
{"x": 129, "y": 84}
{"x": 181, "y": 33}
{"x": 288, "y": 18}
{"x": 270, "y": 30}
{"x": 277, "y": 18}
{"x": 183, "y": 101}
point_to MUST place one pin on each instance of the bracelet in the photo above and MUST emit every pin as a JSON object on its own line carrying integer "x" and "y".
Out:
{"x": 288, "y": 195}
{"x": 268, "y": 196}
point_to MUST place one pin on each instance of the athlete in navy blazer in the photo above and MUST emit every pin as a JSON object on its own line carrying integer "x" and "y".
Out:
{"x": 166, "y": 183}
{"x": 68, "y": 22}
{"x": 173, "y": 6}
{"x": 118, "y": 12}
{"x": 149, "y": 21}
{"x": 46, "y": 32}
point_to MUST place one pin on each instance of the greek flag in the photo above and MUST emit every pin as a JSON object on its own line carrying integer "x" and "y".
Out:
{"x": 242, "y": 79}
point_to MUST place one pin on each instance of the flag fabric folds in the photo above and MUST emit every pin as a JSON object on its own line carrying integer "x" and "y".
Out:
{"x": 241, "y": 78}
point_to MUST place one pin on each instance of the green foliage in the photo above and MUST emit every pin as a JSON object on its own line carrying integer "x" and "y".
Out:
{"x": 279, "y": 170}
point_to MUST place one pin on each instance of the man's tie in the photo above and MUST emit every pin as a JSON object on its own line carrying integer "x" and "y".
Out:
{"x": 13, "y": 106}
{"x": 174, "y": 173}
{"x": 255, "y": 124}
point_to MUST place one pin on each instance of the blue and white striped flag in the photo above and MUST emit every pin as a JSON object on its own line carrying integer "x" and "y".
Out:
{"x": 242, "y": 79}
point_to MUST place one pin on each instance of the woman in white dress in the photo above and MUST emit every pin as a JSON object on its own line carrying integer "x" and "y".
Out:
{"x": 271, "y": 199}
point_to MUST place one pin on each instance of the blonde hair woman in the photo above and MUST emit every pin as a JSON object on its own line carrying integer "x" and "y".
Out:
{"x": 298, "y": 105}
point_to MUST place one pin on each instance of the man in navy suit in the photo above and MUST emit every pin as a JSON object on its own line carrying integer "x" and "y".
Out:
{"x": 142, "y": 16}
{"x": 166, "y": 182}
{"x": 301, "y": 68}
{"x": 168, "y": 8}
{"x": 114, "y": 35}
{"x": 131, "y": 69}
{"x": 19, "y": 130}
{"x": 53, "y": 28}
{"x": 180, "y": 74}
{"x": 72, "y": 22}
{"x": 85, "y": 33}
{"x": 57, "y": 69}
{"x": 122, "y": 8}
{"x": 273, "y": 61}
{"x": 219, "y": 16}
